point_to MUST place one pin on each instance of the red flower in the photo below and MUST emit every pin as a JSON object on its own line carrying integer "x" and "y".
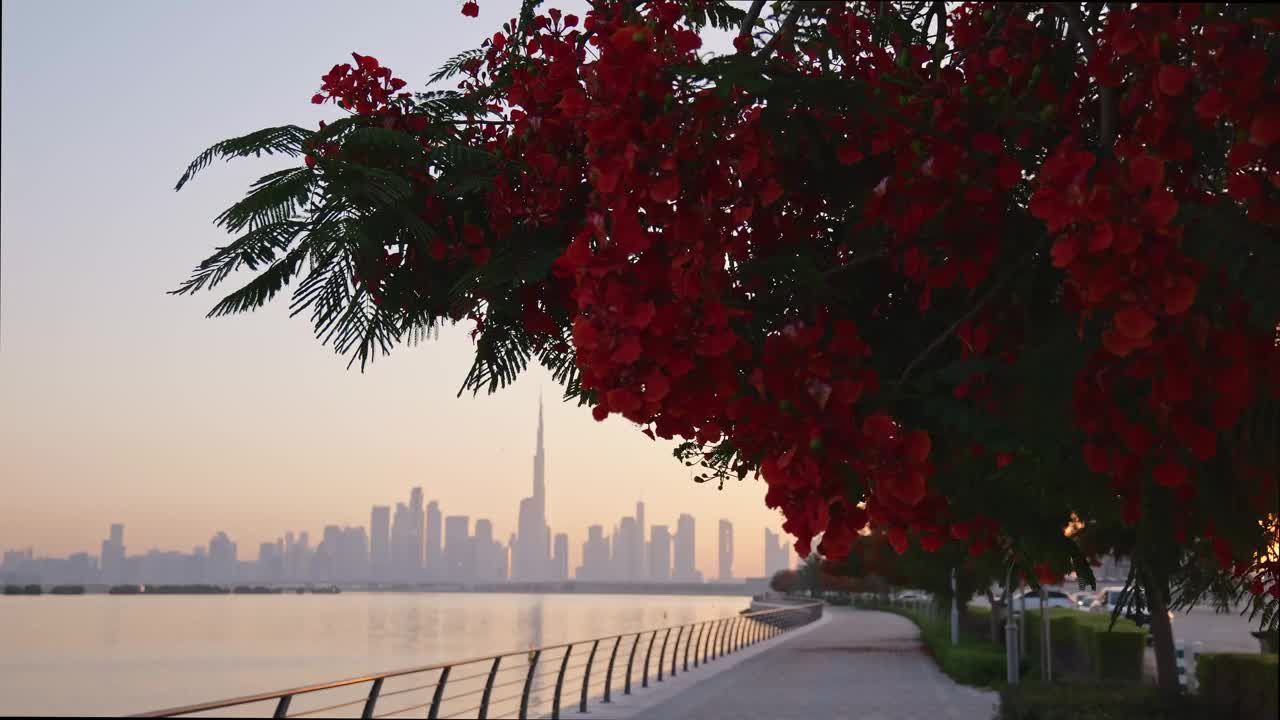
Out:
{"x": 1170, "y": 474}
{"x": 1265, "y": 128}
{"x": 470, "y": 9}
{"x": 1146, "y": 171}
{"x": 1135, "y": 322}
{"x": 898, "y": 539}
{"x": 1212, "y": 105}
{"x": 1242, "y": 186}
{"x": 1172, "y": 79}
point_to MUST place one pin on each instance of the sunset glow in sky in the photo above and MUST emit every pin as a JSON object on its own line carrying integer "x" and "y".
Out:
{"x": 119, "y": 403}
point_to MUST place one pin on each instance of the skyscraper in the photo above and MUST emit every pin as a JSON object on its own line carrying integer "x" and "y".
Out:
{"x": 595, "y": 556}
{"x": 415, "y": 539}
{"x": 490, "y": 556}
{"x": 222, "y": 559}
{"x": 726, "y": 551}
{"x": 112, "y": 562}
{"x": 379, "y": 542}
{"x": 435, "y": 561}
{"x": 777, "y": 553}
{"x": 660, "y": 554}
{"x": 401, "y": 532}
{"x": 684, "y": 567}
{"x": 641, "y": 553}
{"x": 560, "y": 557}
{"x": 627, "y": 546}
{"x": 459, "y": 551}
{"x": 530, "y": 561}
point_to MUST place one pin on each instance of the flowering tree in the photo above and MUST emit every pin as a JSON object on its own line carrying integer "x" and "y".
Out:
{"x": 924, "y": 266}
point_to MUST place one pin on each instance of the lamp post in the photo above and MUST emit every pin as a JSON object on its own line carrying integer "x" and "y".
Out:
{"x": 1010, "y": 633}
{"x": 955, "y": 611}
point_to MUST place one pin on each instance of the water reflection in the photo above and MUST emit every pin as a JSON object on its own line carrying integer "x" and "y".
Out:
{"x": 131, "y": 654}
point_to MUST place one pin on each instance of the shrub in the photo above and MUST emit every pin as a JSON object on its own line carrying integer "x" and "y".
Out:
{"x": 1085, "y": 644}
{"x": 1239, "y": 685}
{"x": 1093, "y": 702}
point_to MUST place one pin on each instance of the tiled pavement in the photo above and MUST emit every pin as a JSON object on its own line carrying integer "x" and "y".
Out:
{"x": 859, "y": 665}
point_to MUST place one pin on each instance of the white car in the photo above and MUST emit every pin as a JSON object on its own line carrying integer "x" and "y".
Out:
{"x": 1106, "y": 599}
{"x": 1055, "y": 599}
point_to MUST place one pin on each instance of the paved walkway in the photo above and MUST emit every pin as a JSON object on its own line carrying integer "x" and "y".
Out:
{"x": 859, "y": 664}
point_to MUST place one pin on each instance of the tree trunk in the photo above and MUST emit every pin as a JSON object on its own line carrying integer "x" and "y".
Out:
{"x": 1161, "y": 635}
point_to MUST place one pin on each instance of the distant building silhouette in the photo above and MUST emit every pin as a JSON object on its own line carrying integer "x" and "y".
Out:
{"x": 660, "y": 554}
{"x": 726, "y": 551}
{"x": 531, "y": 559}
{"x": 459, "y": 551}
{"x": 595, "y": 556}
{"x": 380, "y": 542}
{"x": 415, "y": 539}
{"x": 112, "y": 558}
{"x": 777, "y": 553}
{"x": 684, "y": 567}
{"x": 434, "y": 557}
{"x": 560, "y": 557}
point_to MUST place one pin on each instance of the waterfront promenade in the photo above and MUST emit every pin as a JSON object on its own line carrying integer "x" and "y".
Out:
{"x": 855, "y": 664}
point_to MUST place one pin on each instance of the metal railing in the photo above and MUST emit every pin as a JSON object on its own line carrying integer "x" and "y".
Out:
{"x": 451, "y": 689}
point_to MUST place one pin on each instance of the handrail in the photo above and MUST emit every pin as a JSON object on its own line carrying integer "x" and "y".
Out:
{"x": 803, "y": 613}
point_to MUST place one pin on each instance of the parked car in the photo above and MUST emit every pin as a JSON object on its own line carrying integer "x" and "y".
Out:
{"x": 1054, "y": 599}
{"x": 1085, "y": 599}
{"x": 1106, "y": 603}
{"x": 912, "y": 595}
{"x": 1106, "y": 599}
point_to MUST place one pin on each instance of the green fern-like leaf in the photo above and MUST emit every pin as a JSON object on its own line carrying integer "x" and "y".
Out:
{"x": 258, "y": 247}
{"x": 262, "y": 288}
{"x": 286, "y": 140}
{"x": 273, "y": 199}
{"x": 453, "y": 65}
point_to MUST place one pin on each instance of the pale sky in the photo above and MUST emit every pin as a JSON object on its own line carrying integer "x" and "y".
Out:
{"x": 119, "y": 403}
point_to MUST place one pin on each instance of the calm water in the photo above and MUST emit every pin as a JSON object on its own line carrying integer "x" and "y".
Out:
{"x": 104, "y": 654}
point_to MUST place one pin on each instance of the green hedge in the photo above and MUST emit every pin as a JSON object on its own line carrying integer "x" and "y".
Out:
{"x": 1239, "y": 685}
{"x": 1084, "y": 645}
{"x": 1033, "y": 701}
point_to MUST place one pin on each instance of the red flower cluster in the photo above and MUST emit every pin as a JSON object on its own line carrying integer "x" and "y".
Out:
{"x": 365, "y": 88}
{"x": 670, "y": 196}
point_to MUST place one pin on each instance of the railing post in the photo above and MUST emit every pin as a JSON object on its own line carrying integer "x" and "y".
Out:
{"x": 282, "y": 707}
{"x": 586, "y": 677}
{"x": 702, "y": 627}
{"x": 730, "y": 635}
{"x": 711, "y": 640}
{"x": 564, "y": 663}
{"x": 488, "y": 689}
{"x": 608, "y": 676}
{"x": 626, "y": 690}
{"x": 434, "y": 712}
{"x": 663, "y": 652}
{"x": 528, "y": 683}
{"x": 644, "y": 679}
{"x": 372, "y": 700}
{"x": 675, "y": 650}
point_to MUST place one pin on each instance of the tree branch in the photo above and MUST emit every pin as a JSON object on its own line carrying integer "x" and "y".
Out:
{"x": 1106, "y": 95}
{"x": 982, "y": 302}
{"x": 752, "y": 15}
{"x": 788, "y": 24}
{"x": 856, "y": 261}
{"x": 939, "y": 44}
